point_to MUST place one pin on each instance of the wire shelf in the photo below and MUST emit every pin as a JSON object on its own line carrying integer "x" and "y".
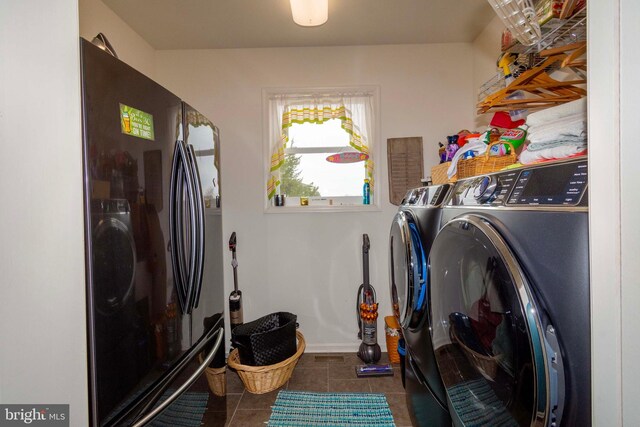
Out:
{"x": 555, "y": 33}
{"x": 558, "y": 32}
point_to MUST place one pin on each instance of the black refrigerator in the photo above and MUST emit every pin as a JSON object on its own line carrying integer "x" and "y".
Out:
{"x": 153, "y": 233}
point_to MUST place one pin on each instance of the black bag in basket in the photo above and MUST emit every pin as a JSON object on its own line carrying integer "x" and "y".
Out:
{"x": 266, "y": 341}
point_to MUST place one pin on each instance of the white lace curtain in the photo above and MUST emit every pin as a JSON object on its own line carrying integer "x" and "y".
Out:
{"x": 354, "y": 110}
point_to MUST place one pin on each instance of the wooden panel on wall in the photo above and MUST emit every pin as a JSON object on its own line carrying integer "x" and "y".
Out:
{"x": 406, "y": 166}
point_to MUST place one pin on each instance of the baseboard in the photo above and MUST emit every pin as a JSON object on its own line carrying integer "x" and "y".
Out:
{"x": 338, "y": 348}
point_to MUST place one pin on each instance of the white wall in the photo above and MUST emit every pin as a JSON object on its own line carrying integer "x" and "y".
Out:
{"x": 614, "y": 229}
{"x": 96, "y": 17}
{"x": 310, "y": 263}
{"x": 486, "y": 50}
{"x": 630, "y": 206}
{"x": 42, "y": 321}
{"x": 605, "y": 213}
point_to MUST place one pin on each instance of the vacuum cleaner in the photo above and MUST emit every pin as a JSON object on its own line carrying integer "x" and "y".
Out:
{"x": 367, "y": 309}
{"x": 235, "y": 298}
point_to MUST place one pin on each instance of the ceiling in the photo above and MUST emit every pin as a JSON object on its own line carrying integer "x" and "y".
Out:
{"x": 224, "y": 24}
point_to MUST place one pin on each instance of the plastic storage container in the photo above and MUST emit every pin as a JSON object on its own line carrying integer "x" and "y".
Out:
{"x": 267, "y": 340}
{"x": 392, "y": 334}
{"x": 366, "y": 192}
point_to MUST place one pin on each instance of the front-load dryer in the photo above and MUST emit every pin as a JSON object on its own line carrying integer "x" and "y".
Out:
{"x": 412, "y": 233}
{"x": 509, "y": 298}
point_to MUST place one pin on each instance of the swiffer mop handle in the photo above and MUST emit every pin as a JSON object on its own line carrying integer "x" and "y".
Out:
{"x": 232, "y": 242}
{"x": 234, "y": 261}
{"x": 235, "y": 299}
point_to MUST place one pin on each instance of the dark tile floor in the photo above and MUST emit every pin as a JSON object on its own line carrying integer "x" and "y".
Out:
{"x": 321, "y": 372}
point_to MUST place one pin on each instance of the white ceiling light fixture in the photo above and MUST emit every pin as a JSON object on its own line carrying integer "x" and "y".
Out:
{"x": 310, "y": 13}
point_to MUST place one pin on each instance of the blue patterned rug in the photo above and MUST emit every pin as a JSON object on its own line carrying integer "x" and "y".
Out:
{"x": 298, "y": 409}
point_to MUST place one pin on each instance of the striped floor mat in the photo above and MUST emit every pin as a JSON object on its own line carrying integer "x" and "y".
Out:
{"x": 297, "y": 409}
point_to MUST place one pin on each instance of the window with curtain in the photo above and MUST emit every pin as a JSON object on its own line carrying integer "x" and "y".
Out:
{"x": 320, "y": 146}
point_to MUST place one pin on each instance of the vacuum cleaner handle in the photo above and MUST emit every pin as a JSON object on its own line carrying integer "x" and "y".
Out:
{"x": 232, "y": 242}
{"x": 365, "y": 262}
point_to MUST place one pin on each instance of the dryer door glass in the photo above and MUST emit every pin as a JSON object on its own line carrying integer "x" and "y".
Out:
{"x": 418, "y": 278}
{"x": 401, "y": 274}
{"x": 486, "y": 333}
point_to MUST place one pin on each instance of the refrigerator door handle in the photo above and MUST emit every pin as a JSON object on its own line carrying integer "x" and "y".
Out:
{"x": 200, "y": 229}
{"x": 188, "y": 383}
{"x": 193, "y": 221}
{"x": 175, "y": 224}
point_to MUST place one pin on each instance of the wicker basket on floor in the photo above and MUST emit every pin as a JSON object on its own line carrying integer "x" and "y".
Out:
{"x": 439, "y": 174}
{"x": 217, "y": 379}
{"x": 263, "y": 379}
{"x": 485, "y": 163}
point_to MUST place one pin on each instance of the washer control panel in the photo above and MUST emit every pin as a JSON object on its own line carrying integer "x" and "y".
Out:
{"x": 484, "y": 190}
{"x": 432, "y": 195}
{"x": 555, "y": 184}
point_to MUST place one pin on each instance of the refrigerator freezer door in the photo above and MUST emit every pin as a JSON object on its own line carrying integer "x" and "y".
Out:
{"x": 130, "y": 127}
{"x": 183, "y": 391}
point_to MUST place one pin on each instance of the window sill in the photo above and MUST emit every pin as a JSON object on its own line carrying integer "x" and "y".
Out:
{"x": 320, "y": 209}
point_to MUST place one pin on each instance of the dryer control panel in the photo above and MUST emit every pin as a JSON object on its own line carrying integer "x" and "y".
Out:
{"x": 562, "y": 184}
{"x": 432, "y": 195}
{"x": 554, "y": 184}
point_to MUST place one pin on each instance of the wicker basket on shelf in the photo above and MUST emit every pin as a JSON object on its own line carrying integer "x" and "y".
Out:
{"x": 439, "y": 174}
{"x": 485, "y": 163}
{"x": 263, "y": 379}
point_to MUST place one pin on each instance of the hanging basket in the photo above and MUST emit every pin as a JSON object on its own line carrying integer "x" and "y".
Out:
{"x": 263, "y": 379}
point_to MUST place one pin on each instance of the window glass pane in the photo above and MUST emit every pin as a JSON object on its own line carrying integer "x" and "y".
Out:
{"x": 328, "y": 134}
{"x": 304, "y": 173}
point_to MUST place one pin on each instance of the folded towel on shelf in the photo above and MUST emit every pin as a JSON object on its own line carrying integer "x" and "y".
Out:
{"x": 561, "y": 152}
{"x": 558, "y": 113}
{"x": 572, "y": 127}
{"x": 562, "y": 141}
{"x": 478, "y": 147}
